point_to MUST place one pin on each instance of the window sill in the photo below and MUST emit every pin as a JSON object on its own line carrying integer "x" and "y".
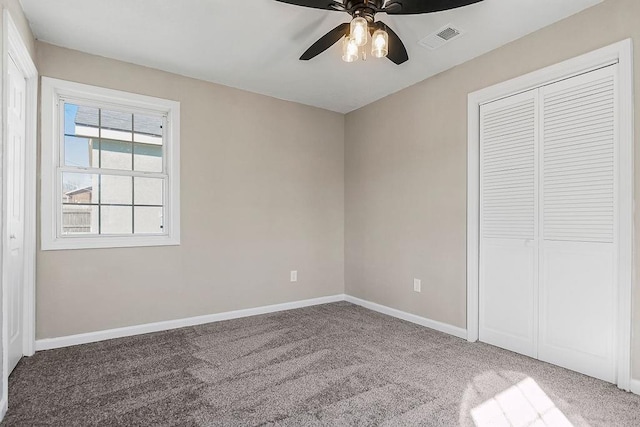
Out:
{"x": 104, "y": 242}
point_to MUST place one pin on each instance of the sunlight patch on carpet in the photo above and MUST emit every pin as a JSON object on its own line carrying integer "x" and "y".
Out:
{"x": 524, "y": 404}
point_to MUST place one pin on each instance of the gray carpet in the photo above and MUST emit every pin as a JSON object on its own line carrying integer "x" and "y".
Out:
{"x": 335, "y": 364}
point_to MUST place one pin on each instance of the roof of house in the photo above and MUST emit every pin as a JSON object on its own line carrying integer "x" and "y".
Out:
{"x": 115, "y": 120}
{"x": 79, "y": 191}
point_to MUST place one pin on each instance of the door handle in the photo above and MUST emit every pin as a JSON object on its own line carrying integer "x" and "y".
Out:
{"x": 13, "y": 236}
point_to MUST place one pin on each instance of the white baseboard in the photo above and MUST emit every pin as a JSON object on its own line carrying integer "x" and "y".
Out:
{"x": 433, "y": 324}
{"x": 51, "y": 343}
{"x": 634, "y": 385}
{"x": 67, "y": 341}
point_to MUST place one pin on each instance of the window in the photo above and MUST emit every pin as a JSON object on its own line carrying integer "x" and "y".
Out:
{"x": 110, "y": 168}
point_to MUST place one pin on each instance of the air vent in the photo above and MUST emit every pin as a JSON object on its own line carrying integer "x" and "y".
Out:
{"x": 441, "y": 36}
{"x": 448, "y": 33}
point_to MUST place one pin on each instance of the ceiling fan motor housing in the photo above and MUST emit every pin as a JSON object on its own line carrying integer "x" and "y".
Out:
{"x": 363, "y": 8}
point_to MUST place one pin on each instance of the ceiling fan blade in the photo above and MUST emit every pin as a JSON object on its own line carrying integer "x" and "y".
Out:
{"x": 316, "y": 4}
{"x": 411, "y": 7}
{"x": 397, "y": 52}
{"x": 325, "y": 42}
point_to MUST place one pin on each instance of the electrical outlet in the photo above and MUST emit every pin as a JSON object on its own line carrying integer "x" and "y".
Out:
{"x": 294, "y": 275}
{"x": 417, "y": 285}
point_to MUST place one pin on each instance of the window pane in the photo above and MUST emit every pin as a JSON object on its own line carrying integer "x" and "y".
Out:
{"x": 148, "y": 191}
{"x": 116, "y": 125}
{"x": 115, "y": 190}
{"x": 148, "y": 220}
{"x": 78, "y": 151}
{"x": 80, "y": 120}
{"x": 79, "y": 188}
{"x": 115, "y": 154}
{"x": 116, "y": 219}
{"x": 79, "y": 219}
{"x": 147, "y": 157}
{"x": 147, "y": 129}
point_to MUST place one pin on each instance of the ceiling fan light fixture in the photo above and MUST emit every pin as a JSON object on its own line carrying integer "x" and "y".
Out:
{"x": 360, "y": 31}
{"x": 349, "y": 49}
{"x": 380, "y": 43}
{"x": 363, "y": 14}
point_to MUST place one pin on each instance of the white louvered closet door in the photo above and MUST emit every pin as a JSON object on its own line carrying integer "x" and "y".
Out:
{"x": 508, "y": 230}
{"x": 548, "y": 227}
{"x": 577, "y": 223}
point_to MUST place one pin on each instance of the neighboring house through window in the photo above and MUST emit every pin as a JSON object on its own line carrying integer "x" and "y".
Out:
{"x": 111, "y": 160}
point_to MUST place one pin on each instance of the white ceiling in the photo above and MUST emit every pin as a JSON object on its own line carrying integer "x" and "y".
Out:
{"x": 255, "y": 44}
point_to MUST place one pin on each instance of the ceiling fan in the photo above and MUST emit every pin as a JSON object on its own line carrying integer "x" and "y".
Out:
{"x": 355, "y": 34}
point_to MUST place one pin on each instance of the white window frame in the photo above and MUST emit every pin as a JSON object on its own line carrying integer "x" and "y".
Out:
{"x": 54, "y": 92}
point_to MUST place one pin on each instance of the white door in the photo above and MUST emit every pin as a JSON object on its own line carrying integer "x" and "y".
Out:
{"x": 548, "y": 221}
{"x": 15, "y": 161}
{"x": 508, "y": 230}
{"x": 578, "y": 223}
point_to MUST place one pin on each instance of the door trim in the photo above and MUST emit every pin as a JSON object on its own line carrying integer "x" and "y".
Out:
{"x": 622, "y": 54}
{"x": 13, "y": 45}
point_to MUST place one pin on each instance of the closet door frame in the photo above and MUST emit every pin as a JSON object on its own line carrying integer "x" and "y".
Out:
{"x": 620, "y": 53}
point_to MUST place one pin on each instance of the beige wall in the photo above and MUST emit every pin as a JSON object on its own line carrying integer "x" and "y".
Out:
{"x": 262, "y": 189}
{"x": 406, "y": 170}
